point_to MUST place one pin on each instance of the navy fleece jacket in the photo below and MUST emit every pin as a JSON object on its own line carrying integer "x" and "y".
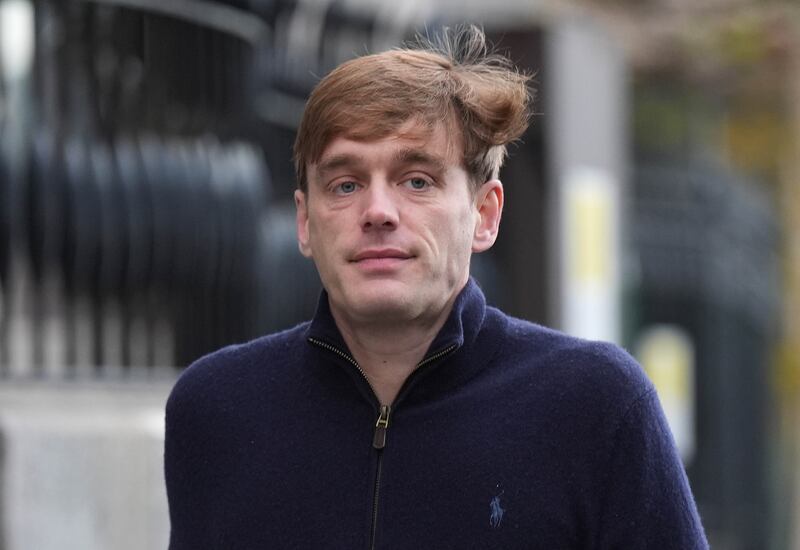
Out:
{"x": 509, "y": 436}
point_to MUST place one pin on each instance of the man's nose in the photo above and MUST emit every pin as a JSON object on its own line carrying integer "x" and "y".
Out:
{"x": 380, "y": 209}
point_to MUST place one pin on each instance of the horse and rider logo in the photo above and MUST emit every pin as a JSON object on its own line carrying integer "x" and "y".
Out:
{"x": 496, "y": 511}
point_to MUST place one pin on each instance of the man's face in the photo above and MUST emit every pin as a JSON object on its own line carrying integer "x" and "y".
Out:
{"x": 391, "y": 224}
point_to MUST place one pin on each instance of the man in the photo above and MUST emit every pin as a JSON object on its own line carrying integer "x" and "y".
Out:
{"x": 408, "y": 413}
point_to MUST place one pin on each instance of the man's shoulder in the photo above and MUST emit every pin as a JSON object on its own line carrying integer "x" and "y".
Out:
{"x": 555, "y": 357}
{"x": 276, "y": 347}
{"x": 241, "y": 364}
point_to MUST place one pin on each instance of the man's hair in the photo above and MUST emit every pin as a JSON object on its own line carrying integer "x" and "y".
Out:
{"x": 453, "y": 80}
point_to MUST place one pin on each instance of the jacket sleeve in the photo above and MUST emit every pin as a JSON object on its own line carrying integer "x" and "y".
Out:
{"x": 187, "y": 482}
{"x": 647, "y": 502}
{"x": 175, "y": 475}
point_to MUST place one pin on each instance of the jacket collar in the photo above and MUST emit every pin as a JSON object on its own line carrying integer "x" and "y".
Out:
{"x": 460, "y": 329}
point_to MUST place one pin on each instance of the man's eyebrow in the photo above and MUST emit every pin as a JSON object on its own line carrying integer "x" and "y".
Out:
{"x": 406, "y": 155}
{"x": 418, "y": 156}
{"x": 335, "y": 162}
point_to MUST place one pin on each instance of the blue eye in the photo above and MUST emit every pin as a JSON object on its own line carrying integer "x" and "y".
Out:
{"x": 417, "y": 183}
{"x": 345, "y": 188}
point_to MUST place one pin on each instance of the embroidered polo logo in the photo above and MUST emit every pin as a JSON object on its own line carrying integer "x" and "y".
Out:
{"x": 496, "y": 512}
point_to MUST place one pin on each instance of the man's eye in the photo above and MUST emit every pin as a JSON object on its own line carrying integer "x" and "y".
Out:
{"x": 416, "y": 183}
{"x": 345, "y": 188}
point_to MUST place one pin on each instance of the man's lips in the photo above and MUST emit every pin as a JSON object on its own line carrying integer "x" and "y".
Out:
{"x": 381, "y": 254}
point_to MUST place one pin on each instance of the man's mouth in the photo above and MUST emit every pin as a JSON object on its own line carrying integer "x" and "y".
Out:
{"x": 381, "y": 254}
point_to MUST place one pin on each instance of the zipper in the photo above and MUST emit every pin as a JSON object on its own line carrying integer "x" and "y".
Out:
{"x": 382, "y": 423}
{"x": 379, "y": 442}
{"x": 438, "y": 355}
{"x": 379, "y": 439}
{"x": 348, "y": 358}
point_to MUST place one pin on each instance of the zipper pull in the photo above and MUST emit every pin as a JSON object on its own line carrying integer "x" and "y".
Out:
{"x": 379, "y": 441}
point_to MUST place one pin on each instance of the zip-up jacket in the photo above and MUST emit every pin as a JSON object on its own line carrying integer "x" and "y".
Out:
{"x": 508, "y": 435}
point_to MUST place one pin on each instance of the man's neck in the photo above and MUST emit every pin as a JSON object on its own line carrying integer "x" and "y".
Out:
{"x": 388, "y": 352}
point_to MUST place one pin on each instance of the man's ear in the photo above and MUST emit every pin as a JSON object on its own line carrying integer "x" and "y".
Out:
{"x": 301, "y": 220}
{"x": 489, "y": 205}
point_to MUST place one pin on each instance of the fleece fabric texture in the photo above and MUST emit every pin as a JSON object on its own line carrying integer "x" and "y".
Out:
{"x": 520, "y": 437}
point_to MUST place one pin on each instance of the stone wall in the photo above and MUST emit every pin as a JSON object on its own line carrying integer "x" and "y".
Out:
{"x": 81, "y": 468}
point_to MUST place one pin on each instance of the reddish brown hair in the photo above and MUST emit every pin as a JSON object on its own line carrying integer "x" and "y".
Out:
{"x": 478, "y": 96}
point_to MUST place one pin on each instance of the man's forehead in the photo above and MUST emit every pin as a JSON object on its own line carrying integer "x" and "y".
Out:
{"x": 409, "y": 144}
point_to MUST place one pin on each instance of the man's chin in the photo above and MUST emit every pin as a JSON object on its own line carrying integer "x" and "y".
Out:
{"x": 383, "y": 304}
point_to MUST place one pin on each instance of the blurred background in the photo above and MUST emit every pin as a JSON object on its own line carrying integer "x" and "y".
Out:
{"x": 146, "y": 219}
